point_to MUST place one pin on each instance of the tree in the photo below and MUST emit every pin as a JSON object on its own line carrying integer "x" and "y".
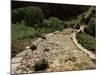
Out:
{"x": 14, "y": 16}
{"x": 33, "y": 15}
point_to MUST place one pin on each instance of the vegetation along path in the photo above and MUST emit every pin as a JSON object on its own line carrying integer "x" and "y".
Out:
{"x": 91, "y": 54}
{"x": 58, "y": 49}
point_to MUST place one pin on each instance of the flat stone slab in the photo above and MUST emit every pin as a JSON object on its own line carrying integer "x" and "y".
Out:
{"x": 17, "y": 59}
{"x": 22, "y": 53}
{"x": 14, "y": 67}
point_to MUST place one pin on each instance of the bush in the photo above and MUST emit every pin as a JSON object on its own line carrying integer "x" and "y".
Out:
{"x": 55, "y": 23}
{"x": 45, "y": 23}
{"x": 18, "y": 15}
{"x": 86, "y": 41}
{"x": 15, "y": 18}
{"x": 21, "y": 31}
{"x": 92, "y": 27}
{"x": 33, "y": 15}
{"x": 42, "y": 64}
{"x": 69, "y": 24}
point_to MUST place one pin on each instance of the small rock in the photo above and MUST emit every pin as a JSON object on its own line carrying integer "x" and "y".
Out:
{"x": 43, "y": 37}
{"x": 17, "y": 59}
{"x": 19, "y": 71}
{"x": 33, "y": 47}
{"x": 27, "y": 47}
{"x": 56, "y": 32}
{"x": 46, "y": 49}
{"x": 14, "y": 66}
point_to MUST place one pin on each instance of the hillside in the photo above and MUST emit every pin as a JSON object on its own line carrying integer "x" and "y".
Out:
{"x": 42, "y": 44}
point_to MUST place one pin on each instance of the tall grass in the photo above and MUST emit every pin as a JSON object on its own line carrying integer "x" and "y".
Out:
{"x": 21, "y": 31}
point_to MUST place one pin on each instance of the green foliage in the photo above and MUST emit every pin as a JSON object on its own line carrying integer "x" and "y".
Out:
{"x": 55, "y": 23}
{"x": 72, "y": 22}
{"x": 42, "y": 64}
{"x": 31, "y": 15}
{"x": 45, "y": 23}
{"x": 15, "y": 17}
{"x": 92, "y": 27}
{"x": 20, "y": 31}
{"x": 22, "y": 36}
{"x": 18, "y": 15}
{"x": 86, "y": 41}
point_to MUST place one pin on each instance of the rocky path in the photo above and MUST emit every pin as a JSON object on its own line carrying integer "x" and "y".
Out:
{"x": 58, "y": 49}
{"x": 91, "y": 54}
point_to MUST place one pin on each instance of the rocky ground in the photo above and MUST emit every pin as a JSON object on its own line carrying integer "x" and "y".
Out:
{"x": 58, "y": 49}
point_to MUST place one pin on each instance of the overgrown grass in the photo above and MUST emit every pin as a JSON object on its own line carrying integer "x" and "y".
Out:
{"x": 86, "y": 41}
{"x": 21, "y": 37}
{"x": 21, "y": 31}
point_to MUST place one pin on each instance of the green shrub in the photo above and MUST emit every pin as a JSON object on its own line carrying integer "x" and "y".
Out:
{"x": 92, "y": 26}
{"x": 45, "y": 23}
{"x": 68, "y": 24}
{"x": 37, "y": 32}
{"x": 15, "y": 16}
{"x": 86, "y": 41}
{"x": 42, "y": 64}
{"x": 21, "y": 14}
{"x": 21, "y": 31}
{"x": 55, "y": 23}
{"x": 33, "y": 15}
{"x": 54, "y": 20}
{"x": 18, "y": 15}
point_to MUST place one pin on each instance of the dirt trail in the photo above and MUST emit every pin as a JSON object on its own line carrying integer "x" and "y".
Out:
{"x": 90, "y": 53}
{"x": 63, "y": 54}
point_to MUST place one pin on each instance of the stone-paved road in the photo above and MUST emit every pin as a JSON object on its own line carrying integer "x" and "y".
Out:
{"x": 63, "y": 55}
